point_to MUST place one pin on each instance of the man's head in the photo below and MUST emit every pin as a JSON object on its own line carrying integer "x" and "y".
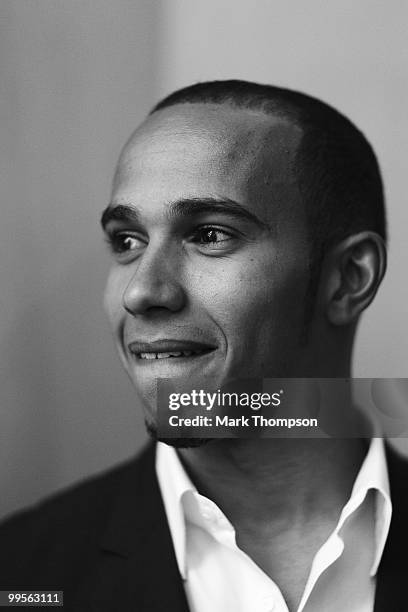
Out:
{"x": 247, "y": 225}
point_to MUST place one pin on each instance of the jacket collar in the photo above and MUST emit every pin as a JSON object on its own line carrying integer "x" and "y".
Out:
{"x": 393, "y": 571}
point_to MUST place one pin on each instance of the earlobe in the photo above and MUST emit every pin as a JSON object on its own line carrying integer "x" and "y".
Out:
{"x": 357, "y": 268}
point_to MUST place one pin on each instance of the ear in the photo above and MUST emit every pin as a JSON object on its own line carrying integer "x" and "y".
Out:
{"x": 355, "y": 269}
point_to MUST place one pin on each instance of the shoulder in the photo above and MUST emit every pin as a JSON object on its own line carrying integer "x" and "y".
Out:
{"x": 74, "y": 504}
{"x": 65, "y": 527}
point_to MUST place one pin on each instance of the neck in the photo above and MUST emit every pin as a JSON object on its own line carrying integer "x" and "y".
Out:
{"x": 292, "y": 480}
{"x": 299, "y": 479}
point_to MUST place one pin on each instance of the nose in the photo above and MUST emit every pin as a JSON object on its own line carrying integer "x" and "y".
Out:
{"x": 155, "y": 283}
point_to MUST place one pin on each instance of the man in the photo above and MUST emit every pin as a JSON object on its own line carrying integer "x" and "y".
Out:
{"x": 247, "y": 231}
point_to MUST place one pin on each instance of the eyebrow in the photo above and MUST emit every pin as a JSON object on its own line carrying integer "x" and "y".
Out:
{"x": 184, "y": 208}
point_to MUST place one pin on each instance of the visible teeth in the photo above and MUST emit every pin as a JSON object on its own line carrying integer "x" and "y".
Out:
{"x": 167, "y": 355}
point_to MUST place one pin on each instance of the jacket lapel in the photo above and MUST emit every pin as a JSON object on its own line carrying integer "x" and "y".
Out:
{"x": 137, "y": 568}
{"x": 392, "y": 577}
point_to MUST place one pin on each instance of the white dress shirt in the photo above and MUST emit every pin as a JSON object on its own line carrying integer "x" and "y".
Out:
{"x": 219, "y": 577}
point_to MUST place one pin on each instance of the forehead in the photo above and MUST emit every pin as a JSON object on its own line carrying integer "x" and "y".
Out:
{"x": 210, "y": 149}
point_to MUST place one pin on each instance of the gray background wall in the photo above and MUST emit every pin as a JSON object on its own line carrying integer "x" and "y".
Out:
{"x": 76, "y": 77}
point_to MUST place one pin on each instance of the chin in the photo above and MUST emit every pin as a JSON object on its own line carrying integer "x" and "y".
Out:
{"x": 175, "y": 442}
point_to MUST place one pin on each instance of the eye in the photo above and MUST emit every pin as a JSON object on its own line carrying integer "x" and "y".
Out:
{"x": 122, "y": 243}
{"x": 211, "y": 236}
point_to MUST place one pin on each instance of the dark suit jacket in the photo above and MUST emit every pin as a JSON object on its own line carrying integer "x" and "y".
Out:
{"x": 107, "y": 545}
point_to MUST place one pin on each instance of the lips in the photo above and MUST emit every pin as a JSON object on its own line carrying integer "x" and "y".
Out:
{"x": 169, "y": 349}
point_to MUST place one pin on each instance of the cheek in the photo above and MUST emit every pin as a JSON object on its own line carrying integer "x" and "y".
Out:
{"x": 255, "y": 301}
{"x": 113, "y": 298}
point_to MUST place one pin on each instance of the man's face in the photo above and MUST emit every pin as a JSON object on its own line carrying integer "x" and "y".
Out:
{"x": 210, "y": 254}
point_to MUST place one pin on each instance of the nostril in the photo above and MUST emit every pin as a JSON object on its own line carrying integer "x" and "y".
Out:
{"x": 155, "y": 283}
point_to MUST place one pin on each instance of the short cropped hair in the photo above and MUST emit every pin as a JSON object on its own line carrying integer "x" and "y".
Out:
{"x": 336, "y": 168}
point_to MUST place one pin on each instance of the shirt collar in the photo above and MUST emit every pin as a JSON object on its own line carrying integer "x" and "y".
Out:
{"x": 373, "y": 474}
{"x": 174, "y": 483}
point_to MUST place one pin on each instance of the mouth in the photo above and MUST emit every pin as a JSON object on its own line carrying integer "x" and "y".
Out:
{"x": 169, "y": 349}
